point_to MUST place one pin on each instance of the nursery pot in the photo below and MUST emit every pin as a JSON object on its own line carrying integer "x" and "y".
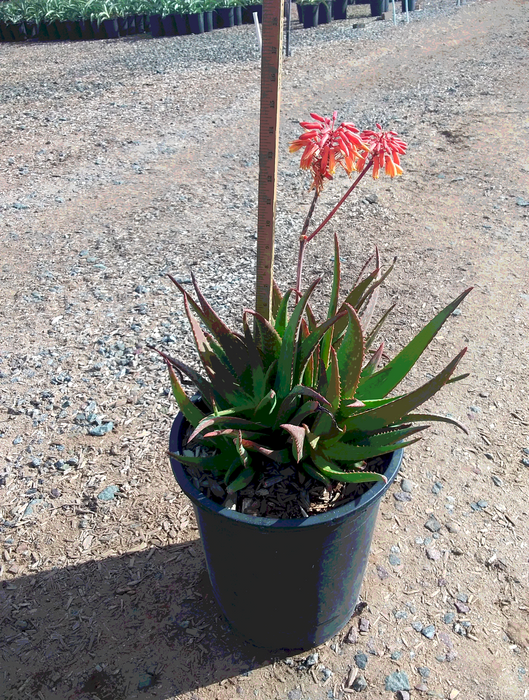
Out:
{"x": 310, "y": 16}
{"x": 111, "y": 28}
{"x": 285, "y": 584}
{"x": 209, "y": 21}
{"x": 247, "y": 13}
{"x": 237, "y": 15}
{"x": 325, "y": 13}
{"x": 6, "y": 31}
{"x": 86, "y": 29}
{"x": 74, "y": 32}
{"x": 411, "y": 5}
{"x": 169, "y": 26}
{"x": 225, "y": 17}
{"x": 155, "y": 23}
{"x": 340, "y": 9}
{"x": 377, "y": 7}
{"x": 140, "y": 24}
{"x": 181, "y": 24}
{"x": 196, "y": 23}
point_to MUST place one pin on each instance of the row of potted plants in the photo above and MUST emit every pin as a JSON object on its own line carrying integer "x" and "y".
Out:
{"x": 100, "y": 19}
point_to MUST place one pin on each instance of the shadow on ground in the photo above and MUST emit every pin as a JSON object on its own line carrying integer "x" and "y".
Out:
{"x": 142, "y": 624}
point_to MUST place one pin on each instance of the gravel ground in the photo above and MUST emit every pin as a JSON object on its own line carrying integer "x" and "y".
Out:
{"x": 124, "y": 160}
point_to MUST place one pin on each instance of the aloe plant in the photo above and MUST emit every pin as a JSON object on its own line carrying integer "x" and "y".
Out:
{"x": 301, "y": 392}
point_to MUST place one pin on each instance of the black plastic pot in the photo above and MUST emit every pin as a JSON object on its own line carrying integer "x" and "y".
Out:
{"x": 209, "y": 21}
{"x": 32, "y": 30}
{"x": 310, "y": 16}
{"x": 340, "y": 9}
{"x": 111, "y": 28}
{"x": 225, "y": 17}
{"x": 52, "y": 31}
{"x": 169, "y": 27}
{"x": 247, "y": 13}
{"x": 123, "y": 26}
{"x": 325, "y": 12}
{"x": 98, "y": 30}
{"x": 411, "y": 5}
{"x": 377, "y": 7}
{"x": 85, "y": 27}
{"x": 181, "y": 24}
{"x": 140, "y": 24}
{"x": 285, "y": 584}
{"x": 155, "y": 22}
{"x": 196, "y": 23}
{"x": 237, "y": 15}
{"x": 300, "y": 12}
{"x": 73, "y": 30}
{"x": 5, "y": 29}
{"x": 18, "y": 31}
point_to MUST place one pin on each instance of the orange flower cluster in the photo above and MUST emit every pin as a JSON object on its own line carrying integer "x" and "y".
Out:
{"x": 326, "y": 146}
{"x": 385, "y": 147}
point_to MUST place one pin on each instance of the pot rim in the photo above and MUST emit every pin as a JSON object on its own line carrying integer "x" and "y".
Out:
{"x": 375, "y": 493}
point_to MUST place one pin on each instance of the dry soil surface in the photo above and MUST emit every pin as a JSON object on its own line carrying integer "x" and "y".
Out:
{"x": 121, "y": 161}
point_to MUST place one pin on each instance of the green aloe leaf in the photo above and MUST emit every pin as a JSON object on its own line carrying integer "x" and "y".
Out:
{"x": 382, "y": 417}
{"x": 373, "y": 362}
{"x": 315, "y": 474}
{"x": 267, "y": 339}
{"x": 244, "y": 479}
{"x": 309, "y": 344}
{"x": 221, "y": 422}
{"x": 333, "y": 302}
{"x": 334, "y": 393}
{"x": 384, "y": 381}
{"x": 256, "y": 368}
{"x": 419, "y": 417}
{"x": 353, "y": 299}
{"x": 204, "y": 387}
{"x": 192, "y": 413}
{"x": 376, "y": 330}
{"x": 290, "y": 402}
{"x": 281, "y": 317}
{"x": 265, "y": 407}
{"x": 287, "y": 354}
{"x": 308, "y": 409}
{"x": 279, "y": 456}
{"x": 379, "y": 445}
{"x": 333, "y": 471}
{"x": 216, "y": 462}
{"x": 298, "y": 435}
{"x": 351, "y": 355}
{"x": 276, "y": 298}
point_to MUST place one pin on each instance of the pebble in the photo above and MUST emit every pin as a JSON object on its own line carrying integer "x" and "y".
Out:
{"x": 382, "y": 573}
{"x": 36, "y": 462}
{"x": 433, "y": 554}
{"x": 372, "y": 198}
{"x": 452, "y": 527}
{"x": 456, "y": 312}
{"x": 525, "y": 462}
{"x": 428, "y": 631}
{"x": 108, "y": 493}
{"x": 436, "y": 488}
{"x": 424, "y": 671}
{"x": 359, "y": 684}
{"x": 361, "y": 660}
{"x": 55, "y": 493}
{"x": 475, "y": 409}
{"x": 496, "y": 480}
{"x": 400, "y": 614}
{"x": 395, "y": 655}
{"x": 397, "y": 681}
{"x": 394, "y": 560}
{"x": 432, "y": 524}
{"x": 364, "y": 624}
{"x": 100, "y": 430}
{"x": 417, "y": 626}
{"x": 401, "y": 496}
{"x": 449, "y": 618}
{"x": 459, "y": 629}
{"x": 461, "y": 607}
{"x": 526, "y": 450}
{"x": 406, "y": 485}
{"x": 17, "y": 440}
{"x": 312, "y": 659}
{"x": 462, "y": 597}
{"x": 402, "y": 695}
{"x": 326, "y": 673}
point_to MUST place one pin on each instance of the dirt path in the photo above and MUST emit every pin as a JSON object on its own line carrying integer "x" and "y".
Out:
{"x": 124, "y": 160}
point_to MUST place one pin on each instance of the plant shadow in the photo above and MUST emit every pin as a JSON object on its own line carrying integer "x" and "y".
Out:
{"x": 118, "y": 628}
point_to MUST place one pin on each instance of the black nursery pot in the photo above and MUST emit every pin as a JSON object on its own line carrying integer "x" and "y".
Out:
{"x": 155, "y": 23}
{"x": 225, "y": 17}
{"x": 140, "y": 24}
{"x": 5, "y": 29}
{"x": 340, "y": 9}
{"x": 247, "y": 13}
{"x": 285, "y": 584}
{"x": 310, "y": 16}
{"x": 325, "y": 12}
{"x": 86, "y": 29}
{"x": 169, "y": 26}
{"x": 377, "y": 7}
{"x": 196, "y": 23}
{"x": 181, "y": 24}
{"x": 111, "y": 28}
{"x": 209, "y": 21}
{"x": 411, "y": 5}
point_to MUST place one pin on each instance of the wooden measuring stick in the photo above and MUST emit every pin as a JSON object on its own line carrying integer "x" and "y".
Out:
{"x": 272, "y": 50}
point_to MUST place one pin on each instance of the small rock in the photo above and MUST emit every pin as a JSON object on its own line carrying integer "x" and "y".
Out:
{"x": 451, "y": 655}
{"x": 395, "y": 655}
{"x": 461, "y": 607}
{"x": 432, "y": 524}
{"x": 372, "y": 198}
{"x": 424, "y": 671}
{"x": 352, "y": 636}
{"x": 406, "y": 485}
{"x": 394, "y": 560}
{"x": 382, "y": 573}
{"x": 452, "y": 527}
{"x": 526, "y": 450}
{"x": 108, "y": 493}
{"x": 482, "y": 504}
{"x": 436, "y": 488}
{"x": 496, "y": 480}
{"x": 459, "y": 629}
{"x": 361, "y": 660}
{"x": 36, "y": 462}
{"x": 428, "y": 631}
{"x": 421, "y": 687}
{"x": 312, "y": 659}
{"x": 397, "y": 681}
{"x": 359, "y": 684}
{"x": 433, "y": 554}
{"x": 462, "y": 597}
{"x": 100, "y": 430}
{"x": 326, "y": 673}
{"x": 55, "y": 493}
{"x": 402, "y": 695}
{"x": 17, "y": 440}
{"x": 525, "y": 462}
{"x": 294, "y": 694}
{"x": 401, "y": 496}
{"x": 456, "y": 312}
{"x": 400, "y": 614}
{"x": 449, "y": 618}
{"x": 417, "y": 626}
{"x": 364, "y": 624}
